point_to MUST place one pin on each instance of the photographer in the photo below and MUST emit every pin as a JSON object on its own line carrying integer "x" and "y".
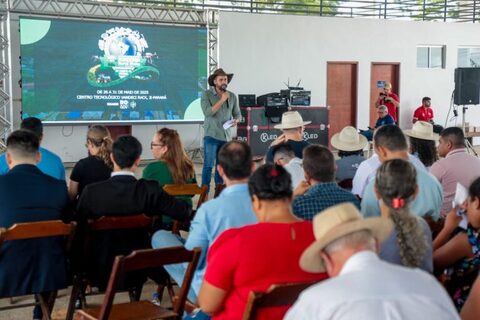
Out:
{"x": 389, "y": 99}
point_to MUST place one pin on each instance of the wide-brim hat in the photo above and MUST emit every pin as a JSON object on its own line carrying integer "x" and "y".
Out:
{"x": 219, "y": 72}
{"x": 334, "y": 223}
{"x": 290, "y": 120}
{"x": 348, "y": 140}
{"x": 422, "y": 130}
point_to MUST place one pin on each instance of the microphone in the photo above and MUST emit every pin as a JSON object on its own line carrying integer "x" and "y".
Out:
{"x": 223, "y": 87}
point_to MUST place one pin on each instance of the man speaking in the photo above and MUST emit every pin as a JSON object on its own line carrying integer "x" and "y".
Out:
{"x": 221, "y": 111}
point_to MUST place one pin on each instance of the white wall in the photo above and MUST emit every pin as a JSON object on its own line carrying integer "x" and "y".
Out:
{"x": 265, "y": 50}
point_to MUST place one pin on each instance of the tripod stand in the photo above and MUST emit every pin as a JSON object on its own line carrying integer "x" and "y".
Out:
{"x": 468, "y": 144}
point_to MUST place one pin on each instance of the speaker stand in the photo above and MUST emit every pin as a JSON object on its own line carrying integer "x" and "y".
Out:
{"x": 468, "y": 144}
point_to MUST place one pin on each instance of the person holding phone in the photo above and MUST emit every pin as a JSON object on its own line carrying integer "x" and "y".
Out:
{"x": 389, "y": 99}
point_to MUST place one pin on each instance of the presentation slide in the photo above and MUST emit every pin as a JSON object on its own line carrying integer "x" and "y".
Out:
{"x": 89, "y": 71}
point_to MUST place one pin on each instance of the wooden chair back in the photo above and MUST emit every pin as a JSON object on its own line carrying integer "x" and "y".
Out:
{"x": 139, "y": 221}
{"x": 277, "y": 295}
{"x": 40, "y": 229}
{"x": 147, "y": 259}
{"x": 190, "y": 189}
{"x": 34, "y": 230}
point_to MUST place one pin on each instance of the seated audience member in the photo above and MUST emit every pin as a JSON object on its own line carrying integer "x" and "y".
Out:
{"x": 265, "y": 253}
{"x": 457, "y": 166}
{"x": 320, "y": 190}
{"x": 350, "y": 147}
{"x": 422, "y": 142}
{"x": 292, "y": 133}
{"x": 28, "y": 195}
{"x": 410, "y": 243}
{"x": 283, "y": 155}
{"x": 173, "y": 165}
{"x": 49, "y": 163}
{"x": 425, "y": 113}
{"x": 361, "y": 285}
{"x": 390, "y": 143}
{"x": 123, "y": 195}
{"x": 460, "y": 255}
{"x": 231, "y": 209}
{"x": 97, "y": 166}
{"x": 383, "y": 119}
{"x": 471, "y": 308}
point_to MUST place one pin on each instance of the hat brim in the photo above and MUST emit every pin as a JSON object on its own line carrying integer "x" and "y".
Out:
{"x": 415, "y": 134}
{"x": 281, "y": 126}
{"x": 311, "y": 261}
{"x": 213, "y": 76}
{"x": 339, "y": 145}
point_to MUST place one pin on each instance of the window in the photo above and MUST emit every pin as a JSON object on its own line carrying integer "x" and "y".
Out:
{"x": 468, "y": 57}
{"x": 431, "y": 57}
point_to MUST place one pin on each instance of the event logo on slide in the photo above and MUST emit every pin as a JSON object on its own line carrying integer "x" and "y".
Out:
{"x": 124, "y": 58}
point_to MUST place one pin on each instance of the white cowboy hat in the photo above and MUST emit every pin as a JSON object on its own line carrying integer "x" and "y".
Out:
{"x": 422, "y": 130}
{"x": 290, "y": 120}
{"x": 348, "y": 140}
{"x": 334, "y": 223}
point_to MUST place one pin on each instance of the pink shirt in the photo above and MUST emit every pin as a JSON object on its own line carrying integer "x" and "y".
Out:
{"x": 457, "y": 166}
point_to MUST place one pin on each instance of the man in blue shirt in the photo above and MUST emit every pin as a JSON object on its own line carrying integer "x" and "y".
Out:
{"x": 50, "y": 163}
{"x": 390, "y": 143}
{"x": 319, "y": 191}
{"x": 383, "y": 119}
{"x": 231, "y": 209}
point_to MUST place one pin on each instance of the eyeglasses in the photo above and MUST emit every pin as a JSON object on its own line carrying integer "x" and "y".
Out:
{"x": 152, "y": 144}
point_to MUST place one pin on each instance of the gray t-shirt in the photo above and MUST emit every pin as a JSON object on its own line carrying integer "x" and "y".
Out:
{"x": 389, "y": 250}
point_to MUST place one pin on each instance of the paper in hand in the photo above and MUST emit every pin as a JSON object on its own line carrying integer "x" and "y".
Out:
{"x": 228, "y": 124}
{"x": 461, "y": 194}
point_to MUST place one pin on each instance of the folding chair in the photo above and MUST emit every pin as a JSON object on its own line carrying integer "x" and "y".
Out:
{"x": 138, "y": 260}
{"x": 104, "y": 223}
{"x": 278, "y": 295}
{"x": 190, "y": 189}
{"x": 35, "y": 230}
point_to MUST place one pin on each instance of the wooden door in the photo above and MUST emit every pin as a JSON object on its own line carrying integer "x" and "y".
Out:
{"x": 341, "y": 95}
{"x": 383, "y": 72}
{"x": 117, "y": 131}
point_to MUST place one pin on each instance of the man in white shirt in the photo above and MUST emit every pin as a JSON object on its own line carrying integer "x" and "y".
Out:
{"x": 361, "y": 285}
{"x": 284, "y": 155}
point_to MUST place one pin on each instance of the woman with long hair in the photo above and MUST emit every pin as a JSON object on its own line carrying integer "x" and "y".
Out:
{"x": 458, "y": 257}
{"x": 173, "y": 165}
{"x": 425, "y": 150}
{"x": 410, "y": 243}
{"x": 97, "y": 166}
{"x": 254, "y": 257}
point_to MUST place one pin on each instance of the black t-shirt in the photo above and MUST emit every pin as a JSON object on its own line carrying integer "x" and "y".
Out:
{"x": 89, "y": 170}
{"x": 297, "y": 146}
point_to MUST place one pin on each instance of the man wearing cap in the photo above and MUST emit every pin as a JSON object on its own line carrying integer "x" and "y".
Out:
{"x": 221, "y": 111}
{"x": 389, "y": 99}
{"x": 292, "y": 133}
{"x": 361, "y": 285}
{"x": 350, "y": 145}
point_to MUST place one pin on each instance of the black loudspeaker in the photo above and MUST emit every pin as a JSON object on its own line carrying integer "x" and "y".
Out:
{"x": 467, "y": 86}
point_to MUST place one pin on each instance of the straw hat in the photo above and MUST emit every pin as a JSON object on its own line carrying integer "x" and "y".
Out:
{"x": 422, "y": 130}
{"x": 348, "y": 140}
{"x": 219, "y": 72}
{"x": 334, "y": 223}
{"x": 290, "y": 120}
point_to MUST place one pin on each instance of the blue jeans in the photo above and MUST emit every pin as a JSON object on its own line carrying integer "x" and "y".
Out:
{"x": 211, "y": 146}
{"x": 166, "y": 239}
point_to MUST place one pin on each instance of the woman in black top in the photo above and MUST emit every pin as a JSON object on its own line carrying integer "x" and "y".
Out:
{"x": 97, "y": 166}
